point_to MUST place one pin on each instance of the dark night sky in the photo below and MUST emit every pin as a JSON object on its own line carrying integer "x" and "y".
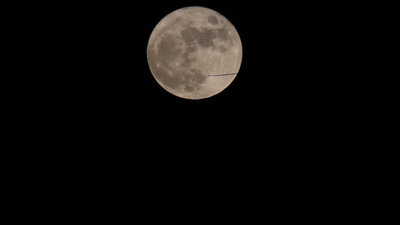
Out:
{"x": 250, "y": 153}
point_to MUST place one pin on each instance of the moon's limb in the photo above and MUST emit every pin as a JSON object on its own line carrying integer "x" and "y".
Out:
{"x": 188, "y": 46}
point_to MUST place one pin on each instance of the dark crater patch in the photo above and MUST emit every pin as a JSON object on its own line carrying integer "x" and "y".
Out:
{"x": 223, "y": 33}
{"x": 206, "y": 38}
{"x": 186, "y": 60}
{"x": 168, "y": 48}
{"x": 190, "y": 34}
{"x": 213, "y": 20}
{"x": 222, "y": 49}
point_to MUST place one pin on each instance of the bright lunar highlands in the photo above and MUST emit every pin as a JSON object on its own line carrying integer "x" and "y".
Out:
{"x": 194, "y": 53}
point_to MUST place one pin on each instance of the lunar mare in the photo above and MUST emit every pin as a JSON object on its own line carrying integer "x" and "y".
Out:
{"x": 194, "y": 53}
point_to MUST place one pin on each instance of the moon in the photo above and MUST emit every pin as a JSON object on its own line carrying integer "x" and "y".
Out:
{"x": 194, "y": 53}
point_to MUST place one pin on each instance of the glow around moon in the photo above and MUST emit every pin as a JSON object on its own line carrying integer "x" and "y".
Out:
{"x": 194, "y": 53}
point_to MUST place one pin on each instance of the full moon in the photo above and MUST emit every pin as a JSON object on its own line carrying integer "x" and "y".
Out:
{"x": 194, "y": 53}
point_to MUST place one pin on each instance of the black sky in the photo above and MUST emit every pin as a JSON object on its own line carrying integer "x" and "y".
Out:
{"x": 251, "y": 153}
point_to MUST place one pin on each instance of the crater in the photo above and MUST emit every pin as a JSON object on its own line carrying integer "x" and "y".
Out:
{"x": 190, "y": 79}
{"x": 190, "y": 34}
{"x": 168, "y": 48}
{"x": 213, "y": 20}
{"x": 222, "y": 49}
{"x": 193, "y": 80}
{"x": 223, "y": 33}
{"x": 170, "y": 81}
{"x": 206, "y": 38}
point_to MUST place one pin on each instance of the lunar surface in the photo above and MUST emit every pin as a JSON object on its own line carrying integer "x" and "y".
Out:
{"x": 194, "y": 53}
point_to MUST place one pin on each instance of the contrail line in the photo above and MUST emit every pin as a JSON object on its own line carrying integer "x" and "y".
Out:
{"x": 223, "y": 74}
